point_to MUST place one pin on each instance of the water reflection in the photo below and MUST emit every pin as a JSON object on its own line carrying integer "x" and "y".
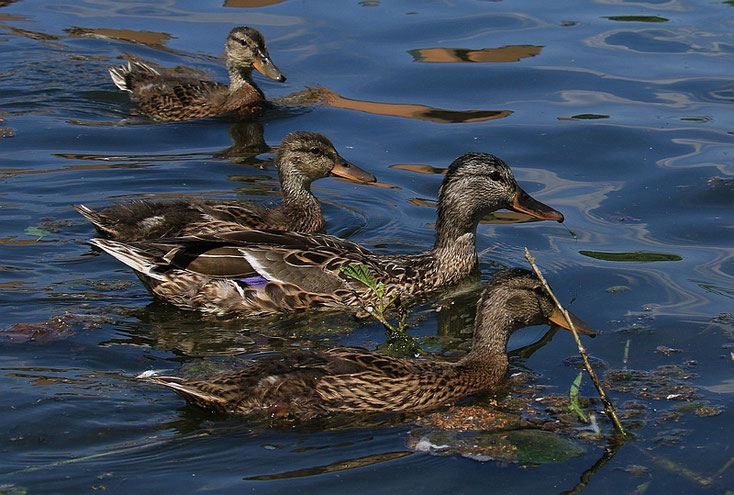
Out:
{"x": 247, "y": 141}
{"x": 49, "y": 39}
{"x": 664, "y": 41}
{"x": 151, "y": 39}
{"x": 511, "y": 53}
{"x": 6, "y": 173}
{"x": 325, "y": 96}
{"x": 340, "y": 465}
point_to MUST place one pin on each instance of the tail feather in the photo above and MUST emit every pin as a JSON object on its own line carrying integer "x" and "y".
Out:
{"x": 193, "y": 394}
{"x": 120, "y": 75}
{"x": 95, "y": 219}
{"x": 135, "y": 258}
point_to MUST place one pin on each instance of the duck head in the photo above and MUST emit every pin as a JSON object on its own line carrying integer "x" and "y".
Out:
{"x": 513, "y": 299}
{"x": 306, "y": 156}
{"x": 245, "y": 49}
{"x": 480, "y": 183}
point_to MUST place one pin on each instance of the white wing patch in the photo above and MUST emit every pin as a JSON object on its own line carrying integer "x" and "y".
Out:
{"x": 259, "y": 268}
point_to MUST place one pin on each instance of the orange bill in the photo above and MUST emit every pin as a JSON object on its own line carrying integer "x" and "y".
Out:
{"x": 267, "y": 68}
{"x": 581, "y": 327}
{"x": 525, "y": 203}
{"x": 343, "y": 168}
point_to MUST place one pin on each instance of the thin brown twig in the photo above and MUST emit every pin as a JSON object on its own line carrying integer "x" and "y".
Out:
{"x": 608, "y": 406}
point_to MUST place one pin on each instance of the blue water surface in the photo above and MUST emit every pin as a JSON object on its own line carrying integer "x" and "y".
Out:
{"x": 620, "y": 114}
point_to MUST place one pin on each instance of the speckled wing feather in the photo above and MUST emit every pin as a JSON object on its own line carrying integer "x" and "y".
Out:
{"x": 280, "y": 384}
{"x": 312, "y": 262}
{"x": 304, "y": 384}
{"x": 144, "y": 219}
{"x": 175, "y": 99}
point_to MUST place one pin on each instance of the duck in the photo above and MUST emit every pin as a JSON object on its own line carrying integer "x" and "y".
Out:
{"x": 174, "y": 97}
{"x": 301, "y": 158}
{"x": 305, "y": 384}
{"x": 265, "y": 272}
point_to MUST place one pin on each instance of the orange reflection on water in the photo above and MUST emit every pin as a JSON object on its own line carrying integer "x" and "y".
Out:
{"x": 511, "y": 53}
{"x": 148, "y": 38}
{"x": 419, "y": 168}
{"x": 321, "y": 94}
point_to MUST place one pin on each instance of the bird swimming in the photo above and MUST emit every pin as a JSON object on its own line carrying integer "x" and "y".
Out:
{"x": 301, "y": 158}
{"x": 175, "y": 97}
{"x": 264, "y": 272}
{"x": 309, "y": 383}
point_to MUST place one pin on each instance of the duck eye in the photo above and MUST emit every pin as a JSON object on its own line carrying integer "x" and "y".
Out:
{"x": 243, "y": 42}
{"x": 494, "y": 175}
{"x": 316, "y": 150}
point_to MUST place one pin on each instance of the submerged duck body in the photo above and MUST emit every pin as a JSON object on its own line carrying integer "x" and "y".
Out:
{"x": 306, "y": 384}
{"x": 174, "y": 98}
{"x": 261, "y": 272}
{"x": 301, "y": 158}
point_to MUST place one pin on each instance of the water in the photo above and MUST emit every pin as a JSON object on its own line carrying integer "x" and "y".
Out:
{"x": 624, "y": 124}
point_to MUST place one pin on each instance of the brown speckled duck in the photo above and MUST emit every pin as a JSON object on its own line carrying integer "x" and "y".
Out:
{"x": 301, "y": 158}
{"x": 171, "y": 97}
{"x": 306, "y": 384}
{"x": 258, "y": 272}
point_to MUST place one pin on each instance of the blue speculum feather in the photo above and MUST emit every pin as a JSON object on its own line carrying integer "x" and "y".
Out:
{"x": 256, "y": 281}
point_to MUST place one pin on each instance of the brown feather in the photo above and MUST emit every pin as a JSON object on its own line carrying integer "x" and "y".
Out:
{"x": 175, "y": 98}
{"x": 304, "y": 384}
{"x": 297, "y": 272}
{"x": 300, "y": 211}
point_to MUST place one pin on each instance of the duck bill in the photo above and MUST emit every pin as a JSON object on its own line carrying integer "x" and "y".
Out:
{"x": 343, "y": 168}
{"x": 581, "y": 327}
{"x": 525, "y": 203}
{"x": 267, "y": 68}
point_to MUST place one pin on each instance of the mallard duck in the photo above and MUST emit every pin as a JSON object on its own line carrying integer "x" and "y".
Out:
{"x": 259, "y": 272}
{"x": 305, "y": 384}
{"x": 169, "y": 98}
{"x": 301, "y": 158}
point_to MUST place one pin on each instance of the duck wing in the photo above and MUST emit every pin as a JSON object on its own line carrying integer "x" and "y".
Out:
{"x": 145, "y": 219}
{"x": 290, "y": 384}
{"x": 311, "y": 262}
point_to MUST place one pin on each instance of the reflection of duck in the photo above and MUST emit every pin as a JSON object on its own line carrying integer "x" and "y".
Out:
{"x": 342, "y": 379}
{"x": 302, "y": 158}
{"x": 264, "y": 272}
{"x": 170, "y": 98}
{"x": 247, "y": 141}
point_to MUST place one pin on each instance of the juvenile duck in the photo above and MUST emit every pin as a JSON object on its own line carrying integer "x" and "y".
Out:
{"x": 259, "y": 272}
{"x": 171, "y": 98}
{"x": 301, "y": 158}
{"x": 306, "y": 384}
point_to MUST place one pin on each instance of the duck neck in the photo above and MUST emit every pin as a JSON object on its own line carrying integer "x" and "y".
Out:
{"x": 455, "y": 251}
{"x": 297, "y": 195}
{"x": 492, "y": 329}
{"x": 239, "y": 77}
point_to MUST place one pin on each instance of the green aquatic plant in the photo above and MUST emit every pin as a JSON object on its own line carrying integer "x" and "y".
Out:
{"x": 637, "y": 256}
{"x": 637, "y": 18}
{"x": 573, "y": 395}
{"x": 37, "y": 232}
{"x": 398, "y": 342}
